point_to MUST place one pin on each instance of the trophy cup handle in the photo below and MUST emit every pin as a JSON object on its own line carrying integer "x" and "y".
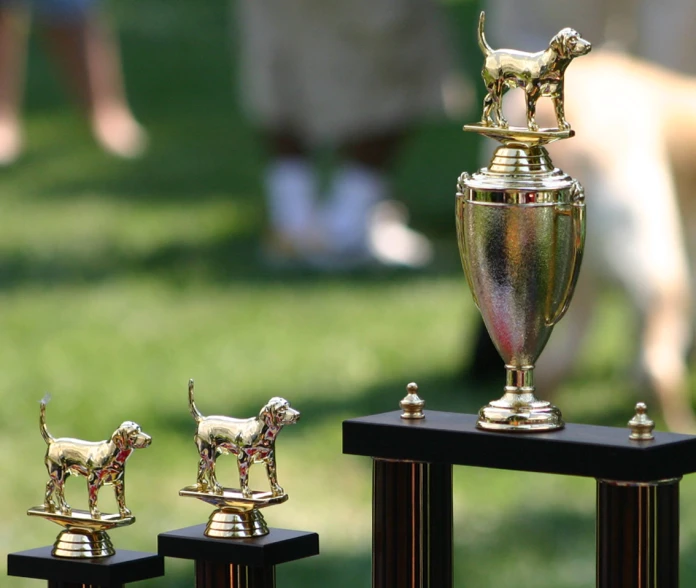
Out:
{"x": 578, "y": 214}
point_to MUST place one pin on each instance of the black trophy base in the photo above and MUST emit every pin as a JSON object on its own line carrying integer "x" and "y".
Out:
{"x": 237, "y": 563}
{"x": 106, "y": 572}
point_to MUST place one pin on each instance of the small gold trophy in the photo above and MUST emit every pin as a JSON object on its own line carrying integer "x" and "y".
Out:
{"x": 101, "y": 462}
{"x": 521, "y": 226}
{"x": 252, "y": 441}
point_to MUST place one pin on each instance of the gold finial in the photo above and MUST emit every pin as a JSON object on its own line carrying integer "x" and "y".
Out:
{"x": 412, "y": 404}
{"x": 641, "y": 425}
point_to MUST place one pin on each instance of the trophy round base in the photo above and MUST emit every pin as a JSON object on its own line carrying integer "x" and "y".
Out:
{"x": 83, "y": 544}
{"x": 227, "y": 523}
{"x": 532, "y": 417}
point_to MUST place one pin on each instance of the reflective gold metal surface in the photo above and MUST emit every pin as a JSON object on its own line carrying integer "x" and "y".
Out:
{"x": 521, "y": 227}
{"x": 251, "y": 440}
{"x": 641, "y": 425}
{"x": 101, "y": 463}
{"x": 412, "y": 404}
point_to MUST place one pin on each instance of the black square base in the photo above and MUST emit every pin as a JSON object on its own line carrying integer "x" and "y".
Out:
{"x": 279, "y": 546}
{"x": 125, "y": 566}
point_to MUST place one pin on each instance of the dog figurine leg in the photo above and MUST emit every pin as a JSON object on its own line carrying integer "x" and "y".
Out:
{"x": 500, "y": 90}
{"x": 273, "y": 475}
{"x": 93, "y": 484}
{"x": 205, "y": 465}
{"x": 48, "y": 497}
{"x": 532, "y": 95}
{"x": 244, "y": 463}
{"x": 120, "y": 490}
{"x": 488, "y": 104}
{"x": 559, "y": 108}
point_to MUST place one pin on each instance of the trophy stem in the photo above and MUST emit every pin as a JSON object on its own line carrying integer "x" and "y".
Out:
{"x": 519, "y": 410}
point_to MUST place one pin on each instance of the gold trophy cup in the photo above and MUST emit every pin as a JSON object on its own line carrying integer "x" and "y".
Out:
{"x": 521, "y": 227}
{"x": 250, "y": 440}
{"x": 101, "y": 463}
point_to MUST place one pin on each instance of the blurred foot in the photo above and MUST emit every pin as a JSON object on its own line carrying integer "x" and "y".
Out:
{"x": 11, "y": 141}
{"x": 118, "y": 133}
{"x": 392, "y": 243}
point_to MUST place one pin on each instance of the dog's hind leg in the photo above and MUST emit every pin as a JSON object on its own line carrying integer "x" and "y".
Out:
{"x": 488, "y": 104}
{"x": 203, "y": 478}
{"x": 500, "y": 90}
{"x": 49, "y": 504}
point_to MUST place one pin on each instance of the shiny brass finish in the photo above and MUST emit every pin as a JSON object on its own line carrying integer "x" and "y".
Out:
{"x": 236, "y": 516}
{"x": 641, "y": 425}
{"x": 101, "y": 463}
{"x": 412, "y": 404}
{"x": 540, "y": 74}
{"x": 84, "y": 537}
{"x": 251, "y": 440}
{"x": 521, "y": 229}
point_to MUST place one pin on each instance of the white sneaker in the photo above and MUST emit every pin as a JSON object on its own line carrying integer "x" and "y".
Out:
{"x": 391, "y": 242}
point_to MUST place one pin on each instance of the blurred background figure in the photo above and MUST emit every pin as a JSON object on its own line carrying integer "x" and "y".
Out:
{"x": 634, "y": 152}
{"x": 81, "y": 42}
{"x": 354, "y": 77}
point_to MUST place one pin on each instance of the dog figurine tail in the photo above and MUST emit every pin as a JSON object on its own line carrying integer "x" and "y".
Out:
{"x": 48, "y": 438}
{"x": 195, "y": 413}
{"x": 485, "y": 47}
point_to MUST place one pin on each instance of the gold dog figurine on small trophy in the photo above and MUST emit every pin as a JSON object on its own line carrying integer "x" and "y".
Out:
{"x": 521, "y": 227}
{"x": 252, "y": 441}
{"x": 101, "y": 462}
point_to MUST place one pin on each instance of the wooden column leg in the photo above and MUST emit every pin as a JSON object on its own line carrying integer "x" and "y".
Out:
{"x": 412, "y": 525}
{"x": 638, "y": 534}
{"x": 212, "y": 574}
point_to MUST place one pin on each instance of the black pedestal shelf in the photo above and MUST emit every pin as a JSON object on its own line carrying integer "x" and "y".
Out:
{"x": 107, "y": 572}
{"x": 637, "y": 491}
{"x": 237, "y": 563}
{"x": 576, "y": 450}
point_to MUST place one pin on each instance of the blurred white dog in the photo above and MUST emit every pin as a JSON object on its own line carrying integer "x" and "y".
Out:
{"x": 635, "y": 154}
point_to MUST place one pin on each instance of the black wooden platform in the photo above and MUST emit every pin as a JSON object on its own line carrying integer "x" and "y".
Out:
{"x": 279, "y": 546}
{"x": 576, "y": 450}
{"x": 122, "y": 568}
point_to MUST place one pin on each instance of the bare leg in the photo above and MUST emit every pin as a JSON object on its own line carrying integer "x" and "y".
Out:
{"x": 13, "y": 49}
{"x": 88, "y": 54}
{"x": 666, "y": 339}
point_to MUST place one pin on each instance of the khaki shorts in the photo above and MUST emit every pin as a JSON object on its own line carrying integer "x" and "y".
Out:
{"x": 334, "y": 70}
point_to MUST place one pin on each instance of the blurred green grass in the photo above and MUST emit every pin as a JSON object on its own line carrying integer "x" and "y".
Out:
{"x": 119, "y": 281}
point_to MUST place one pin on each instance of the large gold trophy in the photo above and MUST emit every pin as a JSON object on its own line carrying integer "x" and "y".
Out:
{"x": 521, "y": 226}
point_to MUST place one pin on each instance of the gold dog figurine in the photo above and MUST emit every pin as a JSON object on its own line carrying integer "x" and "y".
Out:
{"x": 101, "y": 462}
{"x": 540, "y": 74}
{"x": 252, "y": 440}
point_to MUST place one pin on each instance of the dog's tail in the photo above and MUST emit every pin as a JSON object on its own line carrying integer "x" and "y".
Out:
{"x": 195, "y": 413}
{"x": 42, "y": 421}
{"x": 485, "y": 47}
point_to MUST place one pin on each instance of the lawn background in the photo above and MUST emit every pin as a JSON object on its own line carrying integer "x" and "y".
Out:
{"x": 120, "y": 280}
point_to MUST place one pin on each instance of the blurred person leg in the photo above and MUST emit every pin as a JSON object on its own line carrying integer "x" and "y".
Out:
{"x": 87, "y": 52}
{"x": 14, "y": 21}
{"x": 290, "y": 184}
